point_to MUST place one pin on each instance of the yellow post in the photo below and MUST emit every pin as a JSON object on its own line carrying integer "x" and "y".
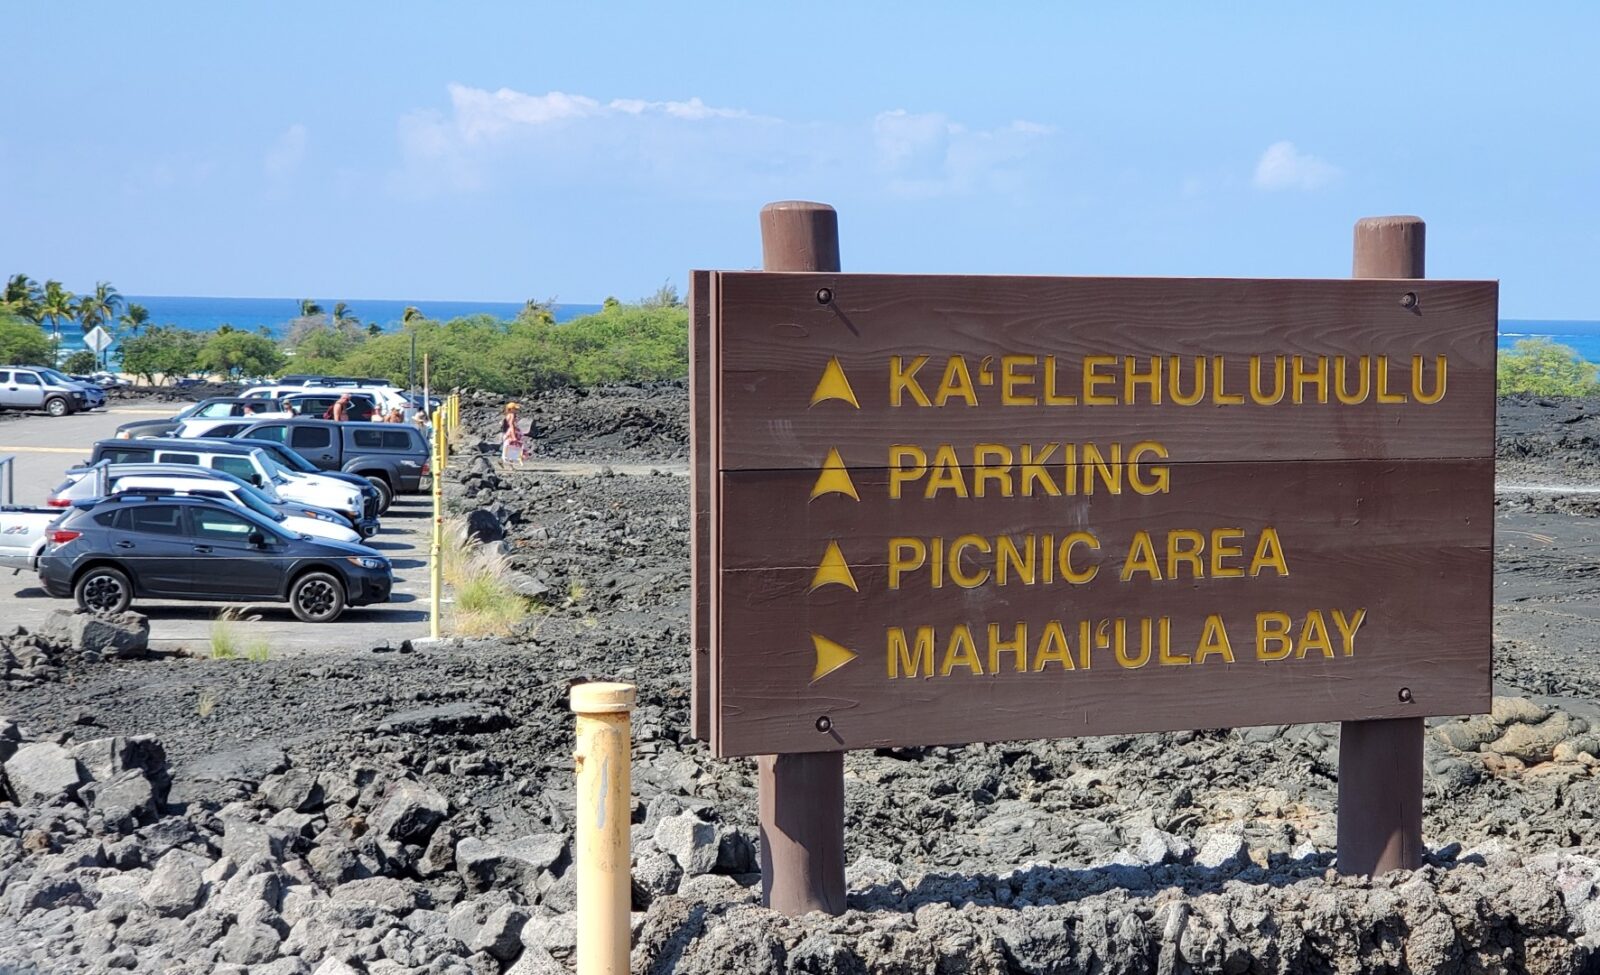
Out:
{"x": 435, "y": 580}
{"x": 605, "y": 890}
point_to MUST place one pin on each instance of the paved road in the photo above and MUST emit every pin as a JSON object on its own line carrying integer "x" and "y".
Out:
{"x": 44, "y": 447}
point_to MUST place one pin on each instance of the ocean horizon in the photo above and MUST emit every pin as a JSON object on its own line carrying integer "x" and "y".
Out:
{"x": 205, "y": 314}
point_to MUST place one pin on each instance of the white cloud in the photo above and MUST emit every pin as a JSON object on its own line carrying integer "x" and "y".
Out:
{"x": 287, "y": 153}
{"x": 1283, "y": 167}
{"x": 506, "y": 137}
{"x": 928, "y": 154}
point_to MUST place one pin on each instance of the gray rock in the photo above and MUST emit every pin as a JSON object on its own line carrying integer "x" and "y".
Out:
{"x": 104, "y": 757}
{"x": 227, "y": 772}
{"x": 334, "y": 966}
{"x": 1535, "y": 743}
{"x": 484, "y": 864}
{"x": 295, "y": 791}
{"x": 483, "y": 526}
{"x": 408, "y": 812}
{"x": 536, "y": 961}
{"x": 459, "y": 718}
{"x": 1225, "y": 849}
{"x": 125, "y": 799}
{"x": 175, "y": 886}
{"x": 385, "y": 893}
{"x": 691, "y": 841}
{"x": 251, "y": 944}
{"x": 501, "y": 933}
{"x": 1508, "y": 710}
{"x": 1154, "y": 847}
{"x": 245, "y": 841}
{"x": 554, "y": 933}
{"x": 1467, "y": 735}
{"x": 122, "y": 636}
{"x": 654, "y": 875}
{"x": 43, "y": 773}
{"x": 440, "y": 855}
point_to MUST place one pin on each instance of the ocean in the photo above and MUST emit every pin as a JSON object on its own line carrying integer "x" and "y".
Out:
{"x": 205, "y": 314}
{"x": 1581, "y": 335}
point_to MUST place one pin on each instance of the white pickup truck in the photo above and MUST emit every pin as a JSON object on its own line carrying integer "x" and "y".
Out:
{"x": 24, "y": 532}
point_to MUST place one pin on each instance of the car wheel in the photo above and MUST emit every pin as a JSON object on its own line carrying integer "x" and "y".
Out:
{"x": 385, "y": 492}
{"x": 104, "y": 590}
{"x": 317, "y": 597}
{"x": 56, "y": 406}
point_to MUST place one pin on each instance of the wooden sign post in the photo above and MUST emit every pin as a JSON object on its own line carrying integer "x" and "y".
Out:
{"x": 1380, "y": 762}
{"x": 947, "y": 509}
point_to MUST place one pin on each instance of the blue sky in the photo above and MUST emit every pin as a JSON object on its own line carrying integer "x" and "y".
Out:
{"x": 504, "y": 151}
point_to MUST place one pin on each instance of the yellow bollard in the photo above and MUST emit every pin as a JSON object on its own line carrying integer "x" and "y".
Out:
{"x": 605, "y": 889}
{"x": 435, "y": 566}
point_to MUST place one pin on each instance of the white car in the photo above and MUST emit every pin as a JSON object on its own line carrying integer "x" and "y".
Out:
{"x": 204, "y": 426}
{"x": 239, "y": 494}
{"x": 386, "y": 397}
{"x": 23, "y": 535}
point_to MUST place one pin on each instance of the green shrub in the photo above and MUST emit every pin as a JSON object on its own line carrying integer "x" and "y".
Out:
{"x": 1545, "y": 368}
{"x": 22, "y": 342}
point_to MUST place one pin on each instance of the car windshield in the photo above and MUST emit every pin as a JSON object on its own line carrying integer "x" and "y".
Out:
{"x": 291, "y": 460}
{"x": 252, "y": 499}
{"x": 187, "y": 411}
{"x": 273, "y": 468}
{"x": 58, "y": 377}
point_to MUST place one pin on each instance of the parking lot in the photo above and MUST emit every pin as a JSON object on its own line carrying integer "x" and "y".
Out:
{"x": 44, "y": 447}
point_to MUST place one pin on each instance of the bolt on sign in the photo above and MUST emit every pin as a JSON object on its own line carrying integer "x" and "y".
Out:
{"x": 943, "y": 509}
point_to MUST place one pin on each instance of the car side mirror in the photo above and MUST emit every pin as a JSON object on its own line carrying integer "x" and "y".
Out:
{"x": 256, "y": 480}
{"x": 257, "y": 540}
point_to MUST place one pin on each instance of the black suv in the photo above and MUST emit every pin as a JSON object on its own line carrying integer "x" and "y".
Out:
{"x": 393, "y": 457}
{"x": 161, "y": 546}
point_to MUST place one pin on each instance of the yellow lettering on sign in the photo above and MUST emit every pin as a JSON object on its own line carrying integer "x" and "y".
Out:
{"x": 1437, "y": 392}
{"x": 1273, "y": 629}
{"x": 1010, "y": 559}
{"x": 1363, "y": 373}
{"x": 1174, "y": 381}
{"x": 1051, "y": 397}
{"x": 905, "y": 555}
{"x": 1013, "y": 380}
{"x": 1259, "y": 395}
{"x": 991, "y": 462}
{"x": 1033, "y": 471}
{"x": 1159, "y": 475}
{"x": 830, "y": 656}
{"x": 1269, "y": 554}
{"x": 1347, "y": 629}
{"x": 1077, "y": 576}
{"x": 1125, "y": 659}
{"x": 914, "y": 659}
{"x": 1316, "y": 376}
{"x": 1219, "y": 377}
{"x": 833, "y": 571}
{"x": 903, "y": 380}
{"x": 958, "y": 571}
{"x": 947, "y": 474}
{"x": 956, "y": 383}
{"x": 1141, "y": 558}
{"x": 834, "y": 478}
{"x": 1220, "y": 549}
{"x": 961, "y": 652}
{"x": 907, "y": 462}
{"x": 1384, "y": 396}
{"x": 1214, "y": 641}
{"x": 1314, "y": 636}
{"x": 1053, "y": 648}
{"x": 1017, "y": 647}
{"x": 1094, "y": 380}
{"x": 1183, "y": 548}
{"x": 1133, "y": 379}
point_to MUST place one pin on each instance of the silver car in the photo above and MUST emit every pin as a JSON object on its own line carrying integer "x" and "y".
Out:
{"x": 40, "y": 388}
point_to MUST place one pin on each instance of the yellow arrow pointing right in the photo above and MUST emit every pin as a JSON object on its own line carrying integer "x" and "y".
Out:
{"x": 830, "y": 656}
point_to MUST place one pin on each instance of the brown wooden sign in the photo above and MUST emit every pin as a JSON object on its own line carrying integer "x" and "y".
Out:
{"x": 948, "y": 509}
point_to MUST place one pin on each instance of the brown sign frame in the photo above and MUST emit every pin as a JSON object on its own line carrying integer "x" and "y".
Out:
{"x": 759, "y": 346}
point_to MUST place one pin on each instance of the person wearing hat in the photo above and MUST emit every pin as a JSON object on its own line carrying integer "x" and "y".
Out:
{"x": 511, "y": 436}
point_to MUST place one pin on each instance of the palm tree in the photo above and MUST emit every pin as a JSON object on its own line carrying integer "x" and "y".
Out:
{"x": 56, "y": 304}
{"x": 101, "y": 307}
{"x": 411, "y": 314}
{"x": 21, "y": 297}
{"x": 309, "y": 308}
{"x": 134, "y": 318}
{"x": 343, "y": 316}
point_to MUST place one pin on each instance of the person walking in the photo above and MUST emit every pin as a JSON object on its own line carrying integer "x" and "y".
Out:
{"x": 511, "y": 436}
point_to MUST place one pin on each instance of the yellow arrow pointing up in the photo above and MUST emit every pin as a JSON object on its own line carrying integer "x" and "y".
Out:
{"x": 834, "y": 478}
{"x": 833, "y": 571}
{"x": 834, "y": 385}
{"x": 830, "y": 657}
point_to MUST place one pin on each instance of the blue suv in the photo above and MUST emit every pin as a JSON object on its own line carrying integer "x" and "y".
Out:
{"x": 106, "y": 553}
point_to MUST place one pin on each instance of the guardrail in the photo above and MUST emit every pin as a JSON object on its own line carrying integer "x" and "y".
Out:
{"x": 446, "y": 431}
{"x": 8, "y": 479}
